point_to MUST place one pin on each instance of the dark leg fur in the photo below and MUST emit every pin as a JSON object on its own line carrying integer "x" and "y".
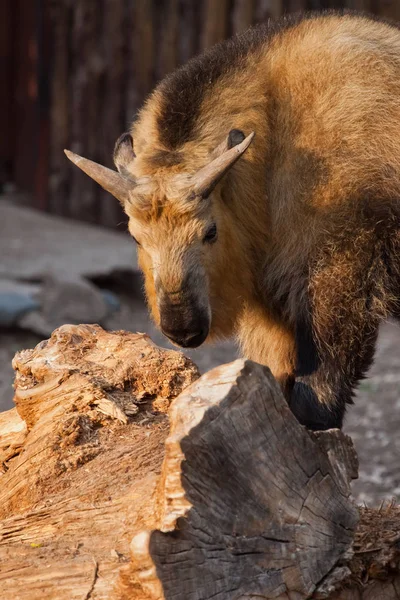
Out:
{"x": 336, "y": 337}
{"x": 311, "y": 377}
{"x": 312, "y": 413}
{"x": 325, "y": 381}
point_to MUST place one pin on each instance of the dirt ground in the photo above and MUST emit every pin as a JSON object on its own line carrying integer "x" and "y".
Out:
{"x": 373, "y": 422}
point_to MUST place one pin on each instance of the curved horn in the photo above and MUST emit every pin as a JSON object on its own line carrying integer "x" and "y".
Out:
{"x": 118, "y": 185}
{"x": 207, "y": 178}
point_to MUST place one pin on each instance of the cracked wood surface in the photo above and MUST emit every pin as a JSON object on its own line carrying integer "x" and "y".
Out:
{"x": 81, "y": 456}
{"x": 252, "y": 504}
{"x": 103, "y": 497}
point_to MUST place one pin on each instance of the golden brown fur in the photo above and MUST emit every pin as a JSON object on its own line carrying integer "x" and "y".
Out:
{"x": 308, "y": 219}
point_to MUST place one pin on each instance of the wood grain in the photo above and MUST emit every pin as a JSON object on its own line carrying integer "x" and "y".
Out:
{"x": 252, "y": 504}
{"x": 103, "y": 496}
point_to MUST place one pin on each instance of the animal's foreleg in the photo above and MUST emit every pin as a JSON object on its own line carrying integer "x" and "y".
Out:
{"x": 335, "y": 346}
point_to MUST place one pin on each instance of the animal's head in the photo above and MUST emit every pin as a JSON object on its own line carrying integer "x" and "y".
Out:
{"x": 177, "y": 222}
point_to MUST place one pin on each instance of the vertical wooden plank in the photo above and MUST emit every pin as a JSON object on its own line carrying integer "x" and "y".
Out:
{"x": 112, "y": 103}
{"x": 216, "y": 22}
{"x": 168, "y": 40}
{"x": 319, "y": 4}
{"x": 79, "y": 186}
{"x": 144, "y": 46}
{"x": 43, "y": 69}
{"x": 190, "y": 26}
{"x": 7, "y": 127}
{"x": 141, "y": 51}
{"x": 361, "y": 5}
{"x": 26, "y": 95}
{"x": 387, "y": 8}
{"x": 28, "y": 98}
{"x": 159, "y": 16}
{"x": 59, "y": 111}
{"x": 268, "y": 9}
{"x": 85, "y": 119}
{"x": 277, "y": 8}
{"x": 295, "y": 6}
{"x": 132, "y": 93}
{"x": 242, "y": 15}
{"x": 95, "y": 123}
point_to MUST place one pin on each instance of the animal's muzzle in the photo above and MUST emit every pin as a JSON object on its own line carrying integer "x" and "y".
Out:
{"x": 185, "y": 325}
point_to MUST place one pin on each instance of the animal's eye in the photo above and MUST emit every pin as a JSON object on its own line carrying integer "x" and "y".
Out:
{"x": 211, "y": 235}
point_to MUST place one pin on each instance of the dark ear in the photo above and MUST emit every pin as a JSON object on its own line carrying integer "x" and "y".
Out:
{"x": 123, "y": 153}
{"x": 235, "y": 137}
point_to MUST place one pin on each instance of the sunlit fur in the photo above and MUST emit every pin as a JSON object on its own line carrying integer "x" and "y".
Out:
{"x": 308, "y": 219}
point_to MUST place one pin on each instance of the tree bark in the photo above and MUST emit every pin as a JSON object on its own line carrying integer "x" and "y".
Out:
{"x": 104, "y": 496}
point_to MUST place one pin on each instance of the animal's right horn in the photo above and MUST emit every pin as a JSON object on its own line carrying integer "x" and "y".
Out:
{"x": 207, "y": 178}
{"x": 118, "y": 185}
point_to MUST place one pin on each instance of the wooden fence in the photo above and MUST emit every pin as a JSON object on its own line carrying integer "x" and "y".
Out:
{"x": 79, "y": 70}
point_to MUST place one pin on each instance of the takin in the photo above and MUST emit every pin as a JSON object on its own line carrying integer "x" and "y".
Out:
{"x": 262, "y": 185}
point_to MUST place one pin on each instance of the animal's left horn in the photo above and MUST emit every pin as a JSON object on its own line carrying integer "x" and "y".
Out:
{"x": 207, "y": 178}
{"x": 118, "y": 185}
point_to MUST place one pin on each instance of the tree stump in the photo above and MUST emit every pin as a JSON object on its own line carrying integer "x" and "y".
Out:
{"x": 104, "y": 496}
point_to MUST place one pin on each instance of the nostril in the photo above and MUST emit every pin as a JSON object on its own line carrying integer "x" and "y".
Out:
{"x": 195, "y": 339}
{"x": 186, "y": 340}
{"x": 172, "y": 335}
{"x": 194, "y": 336}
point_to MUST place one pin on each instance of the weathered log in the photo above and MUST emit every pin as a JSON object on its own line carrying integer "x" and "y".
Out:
{"x": 81, "y": 458}
{"x": 252, "y": 504}
{"x": 103, "y": 497}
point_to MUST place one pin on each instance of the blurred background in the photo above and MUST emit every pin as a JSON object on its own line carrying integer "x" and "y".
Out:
{"x": 74, "y": 74}
{"x": 77, "y": 71}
